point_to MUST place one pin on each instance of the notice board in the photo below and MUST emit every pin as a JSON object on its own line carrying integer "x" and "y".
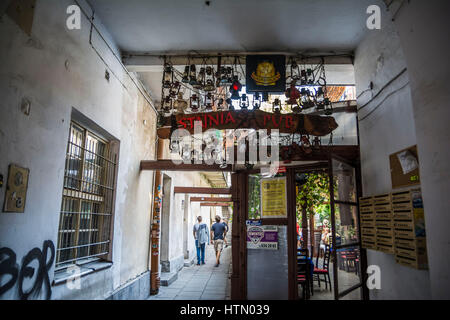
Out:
{"x": 404, "y": 166}
{"x": 273, "y": 198}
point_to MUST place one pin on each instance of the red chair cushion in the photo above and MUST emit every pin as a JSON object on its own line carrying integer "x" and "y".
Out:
{"x": 317, "y": 270}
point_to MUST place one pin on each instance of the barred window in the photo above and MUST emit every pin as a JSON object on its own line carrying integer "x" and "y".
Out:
{"x": 85, "y": 226}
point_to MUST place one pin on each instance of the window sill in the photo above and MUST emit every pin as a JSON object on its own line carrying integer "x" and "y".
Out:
{"x": 76, "y": 271}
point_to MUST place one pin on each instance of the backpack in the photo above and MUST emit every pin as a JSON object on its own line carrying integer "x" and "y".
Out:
{"x": 203, "y": 236}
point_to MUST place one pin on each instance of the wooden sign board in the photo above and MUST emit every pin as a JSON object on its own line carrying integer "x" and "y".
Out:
{"x": 222, "y": 120}
{"x": 398, "y": 177}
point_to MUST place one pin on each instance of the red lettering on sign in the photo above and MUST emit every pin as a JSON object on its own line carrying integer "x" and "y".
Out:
{"x": 266, "y": 117}
{"x": 289, "y": 122}
{"x": 276, "y": 125}
{"x": 212, "y": 119}
{"x": 229, "y": 118}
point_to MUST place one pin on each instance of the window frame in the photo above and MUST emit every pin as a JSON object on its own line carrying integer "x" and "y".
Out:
{"x": 91, "y": 191}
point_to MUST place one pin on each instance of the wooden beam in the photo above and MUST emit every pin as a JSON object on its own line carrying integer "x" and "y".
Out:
{"x": 215, "y": 204}
{"x": 211, "y": 199}
{"x": 168, "y": 165}
{"x": 202, "y": 190}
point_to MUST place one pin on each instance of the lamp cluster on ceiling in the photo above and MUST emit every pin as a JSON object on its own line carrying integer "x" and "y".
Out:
{"x": 214, "y": 88}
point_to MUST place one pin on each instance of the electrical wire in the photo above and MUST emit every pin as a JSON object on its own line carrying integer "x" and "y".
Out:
{"x": 385, "y": 98}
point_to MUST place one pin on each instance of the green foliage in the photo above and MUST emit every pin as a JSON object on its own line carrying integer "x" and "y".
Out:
{"x": 314, "y": 196}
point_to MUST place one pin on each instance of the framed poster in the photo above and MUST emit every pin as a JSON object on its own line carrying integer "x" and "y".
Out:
{"x": 405, "y": 168}
{"x": 265, "y": 73}
{"x": 273, "y": 198}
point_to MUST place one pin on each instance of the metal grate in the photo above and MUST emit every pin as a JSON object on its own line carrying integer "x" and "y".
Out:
{"x": 87, "y": 203}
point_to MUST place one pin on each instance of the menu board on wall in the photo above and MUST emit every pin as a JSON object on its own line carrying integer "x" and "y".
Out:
{"x": 273, "y": 198}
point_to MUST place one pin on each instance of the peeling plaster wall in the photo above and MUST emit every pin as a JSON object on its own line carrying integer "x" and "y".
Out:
{"x": 56, "y": 69}
{"x": 386, "y": 126}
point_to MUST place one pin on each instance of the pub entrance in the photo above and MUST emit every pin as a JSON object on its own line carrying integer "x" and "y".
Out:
{"x": 325, "y": 248}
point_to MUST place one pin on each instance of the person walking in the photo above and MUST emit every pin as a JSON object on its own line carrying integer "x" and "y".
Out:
{"x": 201, "y": 236}
{"x": 218, "y": 230}
{"x": 225, "y": 234}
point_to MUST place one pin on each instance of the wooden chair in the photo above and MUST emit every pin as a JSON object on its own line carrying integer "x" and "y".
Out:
{"x": 324, "y": 269}
{"x": 304, "y": 273}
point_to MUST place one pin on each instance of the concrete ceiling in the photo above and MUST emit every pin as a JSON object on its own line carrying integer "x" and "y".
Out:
{"x": 235, "y": 25}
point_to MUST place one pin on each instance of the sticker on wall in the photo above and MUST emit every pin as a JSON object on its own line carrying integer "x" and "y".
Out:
{"x": 262, "y": 237}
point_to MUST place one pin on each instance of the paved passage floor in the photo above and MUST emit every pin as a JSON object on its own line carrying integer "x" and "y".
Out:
{"x": 204, "y": 282}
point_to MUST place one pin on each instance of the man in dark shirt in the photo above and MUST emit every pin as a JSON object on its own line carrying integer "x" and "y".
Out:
{"x": 218, "y": 230}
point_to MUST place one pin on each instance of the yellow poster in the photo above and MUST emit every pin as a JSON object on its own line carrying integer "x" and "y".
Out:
{"x": 273, "y": 198}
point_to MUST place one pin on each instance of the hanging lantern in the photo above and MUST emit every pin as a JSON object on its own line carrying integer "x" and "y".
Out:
{"x": 320, "y": 100}
{"x": 209, "y": 83}
{"x": 244, "y": 102}
{"x": 276, "y": 106}
{"x": 209, "y": 100}
{"x": 310, "y": 76}
{"x": 167, "y": 76}
{"x": 167, "y": 106}
{"x": 194, "y": 102}
{"x": 317, "y": 143}
{"x": 180, "y": 105}
{"x": 305, "y": 100}
{"x": 185, "y": 78}
{"x": 230, "y": 104}
{"x": 235, "y": 87}
{"x": 192, "y": 75}
{"x": 292, "y": 93}
{"x": 220, "y": 104}
{"x": 256, "y": 101}
{"x": 295, "y": 71}
{"x": 303, "y": 77}
{"x": 265, "y": 96}
{"x": 200, "y": 79}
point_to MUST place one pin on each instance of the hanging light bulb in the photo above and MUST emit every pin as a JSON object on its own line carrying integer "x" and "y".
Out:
{"x": 185, "y": 78}
{"x": 167, "y": 76}
{"x": 235, "y": 87}
{"x": 208, "y": 101}
{"x": 194, "y": 102}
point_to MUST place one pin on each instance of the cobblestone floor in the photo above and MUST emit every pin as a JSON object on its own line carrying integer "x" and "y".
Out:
{"x": 204, "y": 282}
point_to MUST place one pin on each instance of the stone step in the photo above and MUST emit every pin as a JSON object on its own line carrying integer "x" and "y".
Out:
{"x": 167, "y": 278}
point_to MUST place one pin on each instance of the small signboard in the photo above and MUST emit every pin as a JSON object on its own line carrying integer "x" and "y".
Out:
{"x": 262, "y": 237}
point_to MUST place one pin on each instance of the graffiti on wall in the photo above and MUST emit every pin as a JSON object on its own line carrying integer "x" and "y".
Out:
{"x": 32, "y": 275}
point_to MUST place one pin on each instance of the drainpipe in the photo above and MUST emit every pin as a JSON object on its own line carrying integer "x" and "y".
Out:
{"x": 156, "y": 223}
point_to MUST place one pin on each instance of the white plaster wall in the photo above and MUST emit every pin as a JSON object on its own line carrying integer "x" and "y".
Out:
{"x": 423, "y": 28}
{"x": 34, "y": 67}
{"x": 384, "y": 130}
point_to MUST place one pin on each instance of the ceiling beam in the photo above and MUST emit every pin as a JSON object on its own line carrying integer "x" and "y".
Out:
{"x": 202, "y": 190}
{"x": 142, "y": 62}
{"x": 215, "y": 204}
{"x": 211, "y": 199}
{"x": 168, "y": 165}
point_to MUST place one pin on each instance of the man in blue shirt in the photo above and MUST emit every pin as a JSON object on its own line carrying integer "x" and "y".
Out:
{"x": 218, "y": 230}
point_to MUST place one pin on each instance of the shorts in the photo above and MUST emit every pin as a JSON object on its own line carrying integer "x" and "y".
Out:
{"x": 218, "y": 245}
